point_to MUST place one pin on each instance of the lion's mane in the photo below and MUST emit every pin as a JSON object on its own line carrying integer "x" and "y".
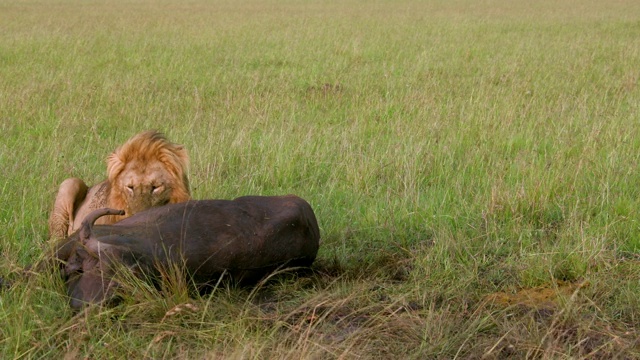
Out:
{"x": 146, "y": 147}
{"x": 148, "y": 170}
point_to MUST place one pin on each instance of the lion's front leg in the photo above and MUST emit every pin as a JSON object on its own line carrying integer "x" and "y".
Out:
{"x": 71, "y": 194}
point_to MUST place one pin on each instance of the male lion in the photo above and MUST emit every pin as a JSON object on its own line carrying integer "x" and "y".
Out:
{"x": 148, "y": 170}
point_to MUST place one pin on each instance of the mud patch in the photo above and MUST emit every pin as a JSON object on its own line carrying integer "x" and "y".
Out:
{"x": 545, "y": 298}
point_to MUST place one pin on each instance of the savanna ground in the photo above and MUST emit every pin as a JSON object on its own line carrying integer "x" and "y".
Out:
{"x": 473, "y": 166}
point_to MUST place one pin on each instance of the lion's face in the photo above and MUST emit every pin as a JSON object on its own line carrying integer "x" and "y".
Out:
{"x": 147, "y": 171}
{"x": 144, "y": 185}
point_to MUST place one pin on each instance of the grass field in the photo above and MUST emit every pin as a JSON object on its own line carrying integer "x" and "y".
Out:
{"x": 473, "y": 166}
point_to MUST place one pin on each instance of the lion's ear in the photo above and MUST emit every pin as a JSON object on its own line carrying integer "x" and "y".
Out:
{"x": 176, "y": 160}
{"x": 182, "y": 156}
{"x": 115, "y": 165}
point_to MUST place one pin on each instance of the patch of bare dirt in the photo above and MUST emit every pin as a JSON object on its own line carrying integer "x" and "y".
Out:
{"x": 541, "y": 298}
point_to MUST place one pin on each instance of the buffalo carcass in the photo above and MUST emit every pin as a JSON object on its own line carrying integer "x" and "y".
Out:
{"x": 248, "y": 238}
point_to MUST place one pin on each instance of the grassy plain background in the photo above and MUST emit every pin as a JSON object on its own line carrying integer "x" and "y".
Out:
{"x": 451, "y": 150}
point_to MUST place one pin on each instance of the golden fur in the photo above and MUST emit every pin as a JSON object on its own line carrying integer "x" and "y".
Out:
{"x": 146, "y": 171}
{"x": 145, "y": 148}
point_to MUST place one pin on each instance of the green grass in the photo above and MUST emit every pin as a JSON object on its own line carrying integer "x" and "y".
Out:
{"x": 450, "y": 149}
